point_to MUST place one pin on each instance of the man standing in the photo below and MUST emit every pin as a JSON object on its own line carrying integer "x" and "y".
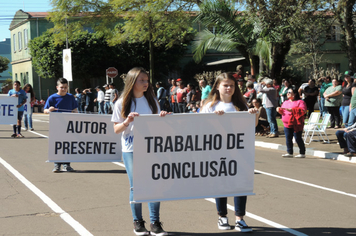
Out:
{"x": 100, "y": 99}
{"x": 113, "y": 96}
{"x": 22, "y": 98}
{"x": 271, "y": 105}
{"x": 107, "y": 99}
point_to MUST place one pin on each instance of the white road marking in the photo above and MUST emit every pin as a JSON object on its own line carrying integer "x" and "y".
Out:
{"x": 308, "y": 184}
{"x": 253, "y": 216}
{"x": 64, "y": 215}
{"x": 45, "y": 121}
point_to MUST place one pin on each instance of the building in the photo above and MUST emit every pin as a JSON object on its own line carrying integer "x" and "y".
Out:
{"x": 24, "y": 27}
{"x": 5, "y": 51}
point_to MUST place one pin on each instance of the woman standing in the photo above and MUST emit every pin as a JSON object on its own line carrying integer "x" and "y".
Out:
{"x": 28, "y": 117}
{"x": 283, "y": 92}
{"x": 137, "y": 98}
{"x": 293, "y": 111}
{"x": 346, "y": 99}
{"x": 225, "y": 96}
{"x": 333, "y": 98}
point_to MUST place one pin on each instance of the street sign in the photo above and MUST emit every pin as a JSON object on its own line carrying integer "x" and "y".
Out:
{"x": 111, "y": 72}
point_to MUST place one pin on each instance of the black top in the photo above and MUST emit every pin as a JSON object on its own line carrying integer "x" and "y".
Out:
{"x": 311, "y": 90}
{"x": 346, "y": 91}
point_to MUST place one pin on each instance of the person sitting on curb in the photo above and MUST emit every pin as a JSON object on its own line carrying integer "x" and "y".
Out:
{"x": 343, "y": 136}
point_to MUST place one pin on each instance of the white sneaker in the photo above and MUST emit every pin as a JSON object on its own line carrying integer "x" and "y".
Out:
{"x": 223, "y": 223}
{"x": 287, "y": 155}
{"x": 300, "y": 156}
{"x": 241, "y": 226}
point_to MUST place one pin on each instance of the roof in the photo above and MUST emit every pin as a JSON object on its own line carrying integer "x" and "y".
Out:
{"x": 225, "y": 61}
{"x": 20, "y": 17}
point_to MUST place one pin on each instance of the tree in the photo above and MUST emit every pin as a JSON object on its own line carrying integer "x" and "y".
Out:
{"x": 282, "y": 22}
{"x": 344, "y": 12}
{"x": 311, "y": 41}
{"x": 233, "y": 31}
{"x": 4, "y": 62}
{"x": 158, "y": 22}
{"x": 91, "y": 56}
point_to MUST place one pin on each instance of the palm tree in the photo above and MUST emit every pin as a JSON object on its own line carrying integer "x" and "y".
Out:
{"x": 233, "y": 31}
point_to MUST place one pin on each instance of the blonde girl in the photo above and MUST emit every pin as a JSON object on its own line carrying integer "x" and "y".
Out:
{"x": 137, "y": 98}
{"x": 225, "y": 96}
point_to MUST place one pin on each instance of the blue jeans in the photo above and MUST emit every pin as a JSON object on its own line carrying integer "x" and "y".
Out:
{"x": 352, "y": 117}
{"x": 161, "y": 104}
{"x": 28, "y": 120}
{"x": 79, "y": 107}
{"x": 181, "y": 107}
{"x": 345, "y": 115}
{"x": 289, "y": 133}
{"x": 240, "y": 205}
{"x": 107, "y": 107}
{"x": 101, "y": 107}
{"x": 136, "y": 208}
{"x": 271, "y": 117}
{"x": 341, "y": 138}
{"x": 322, "y": 107}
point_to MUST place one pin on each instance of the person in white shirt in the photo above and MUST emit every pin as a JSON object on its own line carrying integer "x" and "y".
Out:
{"x": 137, "y": 98}
{"x": 225, "y": 96}
{"x": 100, "y": 99}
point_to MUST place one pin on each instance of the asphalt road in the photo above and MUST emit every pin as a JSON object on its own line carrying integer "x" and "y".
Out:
{"x": 309, "y": 196}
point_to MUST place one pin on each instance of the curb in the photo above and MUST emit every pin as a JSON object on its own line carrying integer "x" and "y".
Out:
{"x": 309, "y": 151}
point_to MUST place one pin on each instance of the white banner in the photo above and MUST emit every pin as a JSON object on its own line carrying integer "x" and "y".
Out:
{"x": 27, "y": 105}
{"x": 8, "y": 110}
{"x": 190, "y": 156}
{"x": 75, "y": 137}
{"x": 67, "y": 64}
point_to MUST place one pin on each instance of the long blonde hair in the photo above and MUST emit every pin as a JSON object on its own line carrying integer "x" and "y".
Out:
{"x": 128, "y": 95}
{"x": 237, "y": 99}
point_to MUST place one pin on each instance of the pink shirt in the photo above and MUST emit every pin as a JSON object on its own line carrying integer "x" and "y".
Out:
{"x": 286, "y": 115}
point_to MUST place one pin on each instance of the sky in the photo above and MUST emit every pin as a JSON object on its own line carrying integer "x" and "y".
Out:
{"x": 8, "y": 8}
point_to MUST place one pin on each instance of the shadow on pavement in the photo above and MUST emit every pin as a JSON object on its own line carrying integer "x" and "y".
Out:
{"x": 99, "y": 171}
{"x": 275, "y": 231}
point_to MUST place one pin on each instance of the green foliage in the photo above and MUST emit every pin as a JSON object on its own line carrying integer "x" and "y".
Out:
{"x": 4, "y": 62}
{"x": 92, "y": 55}
{"x": 161, "y": 23}
{"x": 311, "y": 41}
{"x": 233, "y": 30}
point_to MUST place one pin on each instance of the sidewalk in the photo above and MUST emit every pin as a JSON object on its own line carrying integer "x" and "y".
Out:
{"x": 316, "y": 148}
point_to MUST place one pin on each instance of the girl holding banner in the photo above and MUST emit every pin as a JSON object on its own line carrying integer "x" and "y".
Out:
{"x": 137, "y": 98}
{"x": 226, "y": 97}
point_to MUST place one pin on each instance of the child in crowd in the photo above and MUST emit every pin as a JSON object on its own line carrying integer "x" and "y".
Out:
{"x": 22, "y": 98}
{"x": 137, "y": 98}
{"x": 61, "y": 102}
{"x": 225, "y": 96}
{"x": 28, "y": 117}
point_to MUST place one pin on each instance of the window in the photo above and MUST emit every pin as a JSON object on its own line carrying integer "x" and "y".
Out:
{"x": 333, "y": 34}
{"x": 20, "y": 40}
{"x": 25, "y": 37}
{"x": 14, "y": 41}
